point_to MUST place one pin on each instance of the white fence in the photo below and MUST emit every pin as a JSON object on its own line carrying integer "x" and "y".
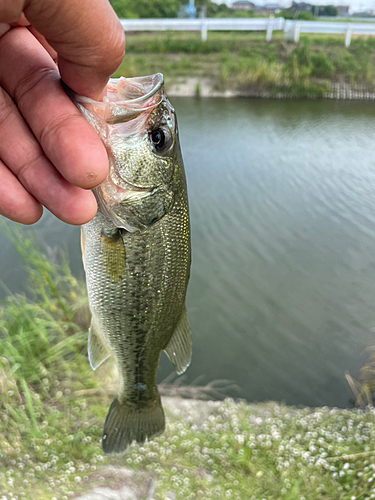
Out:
{"x": 205, "y": 24}
{"x": 292, "y": 29}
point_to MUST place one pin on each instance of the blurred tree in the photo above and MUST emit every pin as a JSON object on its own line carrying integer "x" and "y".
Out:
{"x": 328, "y": 10}
{"x": 303, "y": 15}
{"x": 168, "y": 8}
{"x": 242, "y": 13}
{"x": 217, "y": 10}
{"x": 124, "y": 8}
{"x": 147, "y": 8}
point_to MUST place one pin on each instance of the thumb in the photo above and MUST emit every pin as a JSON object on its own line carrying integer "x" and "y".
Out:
{"x": 87, "y": 37}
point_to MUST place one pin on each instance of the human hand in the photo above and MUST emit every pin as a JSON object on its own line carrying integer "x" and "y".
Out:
{"x": 49, "y": 154}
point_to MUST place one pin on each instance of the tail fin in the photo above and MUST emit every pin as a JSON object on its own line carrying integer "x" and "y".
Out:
{"x": 125, "y": 424}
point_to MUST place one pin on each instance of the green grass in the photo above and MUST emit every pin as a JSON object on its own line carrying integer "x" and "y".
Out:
{"x": 52, "y": 412}
{"x": 245, "y": 61}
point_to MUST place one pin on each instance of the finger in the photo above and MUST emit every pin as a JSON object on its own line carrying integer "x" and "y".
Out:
{"x": 15, "y": 202}
{"x": 22, "y": 154}
{"x": 21, "y": 21}
{"x": 31, "y": 78}
{"x": 87, "y": 36}
{"x": 10, "y": 11}
{"x": 51, "y": 52}
{"x": 68, "y": 203}
{"x": 4, "y": 27}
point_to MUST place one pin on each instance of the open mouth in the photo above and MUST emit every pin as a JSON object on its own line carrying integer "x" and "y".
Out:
{"x": 133, "y": 90}
{"x": 127, "y": 98}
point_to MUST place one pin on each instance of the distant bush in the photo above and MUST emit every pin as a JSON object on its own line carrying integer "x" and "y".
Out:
{"x": 322, "y": 67}
{"x": 328, "y": 10}
{"x": 164, "y": 43}
{"x": 243, "y": 13}
{"x": 302, "y": 54}
{"x": 218, "y": 10}
{"x": 303, "y": 15}
{"x": 170, "y": 8}
{"x": 306, "y": 16}
{"x": 347, "y": 65}
{"x": 286, "y": 14}
{"x": 242, "y": 72}
{"x": 123, "y": 9}
{"x": 298, "y": 65}
{"x": 146, "y": 8}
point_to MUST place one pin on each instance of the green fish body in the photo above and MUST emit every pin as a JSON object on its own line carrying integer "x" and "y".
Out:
{"x": 136, "y": 254}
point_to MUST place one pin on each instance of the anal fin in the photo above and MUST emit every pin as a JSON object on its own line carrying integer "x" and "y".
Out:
{"x": 98, "y": 351}
{"x": 179, "y": 348}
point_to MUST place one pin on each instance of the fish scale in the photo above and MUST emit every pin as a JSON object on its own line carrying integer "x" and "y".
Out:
{"x": 136, "y": 253}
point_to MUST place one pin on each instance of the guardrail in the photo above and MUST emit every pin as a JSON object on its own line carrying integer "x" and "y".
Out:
{"x": 206, "y": 24}
{"x": 292, "y": 29}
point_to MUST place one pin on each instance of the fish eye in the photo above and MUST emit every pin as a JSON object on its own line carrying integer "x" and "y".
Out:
{"x": 161, "y": 140}
{"x": 158, "y": 138}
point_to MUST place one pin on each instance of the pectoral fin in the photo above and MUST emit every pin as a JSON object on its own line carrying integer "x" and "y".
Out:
{"x": 113, "y": 254}
{"x": 98, "y": 351}
{"x": 179, "y": 348}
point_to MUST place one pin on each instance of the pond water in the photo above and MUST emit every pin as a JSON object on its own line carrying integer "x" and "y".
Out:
{"x": 282, "y": 292}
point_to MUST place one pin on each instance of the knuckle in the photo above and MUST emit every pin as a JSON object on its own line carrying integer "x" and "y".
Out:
{"x": 6, "y": 107}
{"x": 53, "y": 127}
{"x": 111, "y": 55}
{"x": 119, "y": 44}
{"x": 24, "y": 170}
{"x": 31, "y": 81}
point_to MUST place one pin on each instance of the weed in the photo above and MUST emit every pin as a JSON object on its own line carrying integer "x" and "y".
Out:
{"x": 322, "y": 67}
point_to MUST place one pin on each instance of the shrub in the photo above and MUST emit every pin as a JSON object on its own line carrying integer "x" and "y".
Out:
{"x": 322, "y": 67}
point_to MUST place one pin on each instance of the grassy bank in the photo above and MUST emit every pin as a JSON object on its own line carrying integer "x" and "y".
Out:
{"x": 52, "y": 409}
{"x": 246, "y": 62}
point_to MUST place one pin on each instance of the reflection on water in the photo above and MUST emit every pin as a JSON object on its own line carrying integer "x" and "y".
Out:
{"x": 283, "y": 223}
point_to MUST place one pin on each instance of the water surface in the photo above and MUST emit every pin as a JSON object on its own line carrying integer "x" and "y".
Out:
{"x": 282, "y": 291}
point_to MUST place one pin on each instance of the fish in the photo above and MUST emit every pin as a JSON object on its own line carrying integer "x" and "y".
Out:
{"x": 137, "y": 253}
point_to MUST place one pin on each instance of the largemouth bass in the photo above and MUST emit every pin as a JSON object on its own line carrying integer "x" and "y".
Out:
{"x": 136, "y": 253}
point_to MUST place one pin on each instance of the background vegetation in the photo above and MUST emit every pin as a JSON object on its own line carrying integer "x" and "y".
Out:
{"x": 245, "y": 62}
{"x": 165, "y": 8}
{"x": 172, "y": 8}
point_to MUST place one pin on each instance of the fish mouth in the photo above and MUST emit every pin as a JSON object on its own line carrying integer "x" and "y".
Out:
{"x": 135, "y": 90}
{"x": 127, "y": 98}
